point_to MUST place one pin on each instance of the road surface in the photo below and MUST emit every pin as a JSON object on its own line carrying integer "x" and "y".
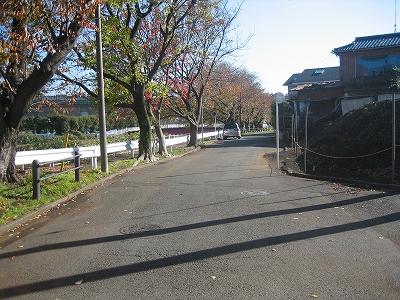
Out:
{"x": 215, "y": 224}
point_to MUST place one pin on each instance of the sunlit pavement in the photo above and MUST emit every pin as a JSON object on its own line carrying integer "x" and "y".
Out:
{"x": 216, "y": 224}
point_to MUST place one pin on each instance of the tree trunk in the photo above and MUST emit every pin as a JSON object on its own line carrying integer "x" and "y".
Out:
{"x": 155, "y": 116}
{"x": 193, "y": 134}
{"x": 16, "y": 97}
{"x": 162, "y": 148}
{"x": 145, "y": 146}
{"x": 8, "y": 150}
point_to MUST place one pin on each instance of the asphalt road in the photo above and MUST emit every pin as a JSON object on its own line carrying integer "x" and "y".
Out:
{"x": 215, "y": 224}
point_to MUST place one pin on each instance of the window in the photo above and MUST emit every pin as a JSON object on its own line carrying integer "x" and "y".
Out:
{"x": 371, "y": 66}
{"x": 318, "y": 72}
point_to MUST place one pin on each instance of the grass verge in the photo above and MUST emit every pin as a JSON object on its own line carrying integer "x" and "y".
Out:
{"x": 16, "y": 200}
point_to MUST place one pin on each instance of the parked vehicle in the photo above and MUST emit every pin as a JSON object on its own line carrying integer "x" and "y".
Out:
{"x": 231, "y": 130}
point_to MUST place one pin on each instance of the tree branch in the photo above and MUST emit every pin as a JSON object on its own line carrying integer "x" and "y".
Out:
{"x": 78, "y": 83}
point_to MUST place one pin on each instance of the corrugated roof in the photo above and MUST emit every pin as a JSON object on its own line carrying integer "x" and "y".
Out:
{"x": 317, "y": 75}
{"x": 371, "y": 42}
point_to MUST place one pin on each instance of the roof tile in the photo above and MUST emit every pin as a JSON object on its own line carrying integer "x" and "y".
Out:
{"x": 371, "y": 42}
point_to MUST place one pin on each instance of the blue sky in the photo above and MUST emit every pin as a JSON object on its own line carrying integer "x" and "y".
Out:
{"x": 292, "y": 35}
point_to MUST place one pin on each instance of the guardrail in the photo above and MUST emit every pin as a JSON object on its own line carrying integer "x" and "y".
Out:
{"x": 130, "y": 129}
{"x": 36, "y": 179}
{"x": 50, "y": 156}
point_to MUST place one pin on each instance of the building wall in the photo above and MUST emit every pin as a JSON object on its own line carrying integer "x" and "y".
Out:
{"x": 348, "y": 61}
{"x": 357, "y": 103}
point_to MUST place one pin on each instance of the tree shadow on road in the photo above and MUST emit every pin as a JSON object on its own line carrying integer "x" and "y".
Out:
{"x": 199, "y": 225}
{"x": 113, "y": 272}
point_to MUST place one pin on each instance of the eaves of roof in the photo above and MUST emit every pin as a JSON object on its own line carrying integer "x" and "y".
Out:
{"x": 382, "y": 41}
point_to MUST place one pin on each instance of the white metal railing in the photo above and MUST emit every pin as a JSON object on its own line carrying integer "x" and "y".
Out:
{"x": 163, "y": 126}
{"x": 130, "y": 129}
{"x": 43, "y": 156}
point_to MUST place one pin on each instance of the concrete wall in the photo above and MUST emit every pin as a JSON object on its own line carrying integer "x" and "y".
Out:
{"x": 352, "y": 104}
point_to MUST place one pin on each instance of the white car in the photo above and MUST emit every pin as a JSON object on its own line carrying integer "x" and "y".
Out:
{"x": 231, "y": 130}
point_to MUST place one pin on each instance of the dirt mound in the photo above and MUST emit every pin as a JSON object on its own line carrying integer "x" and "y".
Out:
{"x": 360, "y": 132}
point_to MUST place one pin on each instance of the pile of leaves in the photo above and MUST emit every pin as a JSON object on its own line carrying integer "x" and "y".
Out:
{"x": 358, "y": 133}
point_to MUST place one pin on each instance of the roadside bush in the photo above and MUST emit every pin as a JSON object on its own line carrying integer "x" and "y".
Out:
{"x": 30, "y": 141}
{"x": 60, "y": 124}
{"x": 77, "y": 134}
{"x": 359, "y": 132}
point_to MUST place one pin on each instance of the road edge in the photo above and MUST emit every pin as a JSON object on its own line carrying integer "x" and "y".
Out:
{"x": 368, "y": 184}
{"x": 18, "y": 223}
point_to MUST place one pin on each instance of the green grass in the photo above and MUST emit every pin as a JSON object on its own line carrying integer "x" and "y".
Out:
{"x": 16, "y": 200}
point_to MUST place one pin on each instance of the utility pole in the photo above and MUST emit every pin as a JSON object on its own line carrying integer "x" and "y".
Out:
{"x": 277, "y": 131}
{"x": 393, "y": 137}
{"x": 100, "y": 85}
{"x": 202, "y": 120}
{"x": 292, "y": 127}
{"x": 279, "y": 98}
{"x": 215, "y": 123}
{"x": 306, "y": 139}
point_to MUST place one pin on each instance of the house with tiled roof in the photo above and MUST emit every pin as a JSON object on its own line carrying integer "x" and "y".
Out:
{"x": 367, "y": 69}
{"x": 308, "y": 77}
{"x": 366, "y": 72}
{"x": 369, "y": 57}
{"x": 318, "y": 86}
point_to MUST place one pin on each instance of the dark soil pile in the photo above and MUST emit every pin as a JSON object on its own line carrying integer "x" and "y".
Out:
{"x": 360, "y": 132}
